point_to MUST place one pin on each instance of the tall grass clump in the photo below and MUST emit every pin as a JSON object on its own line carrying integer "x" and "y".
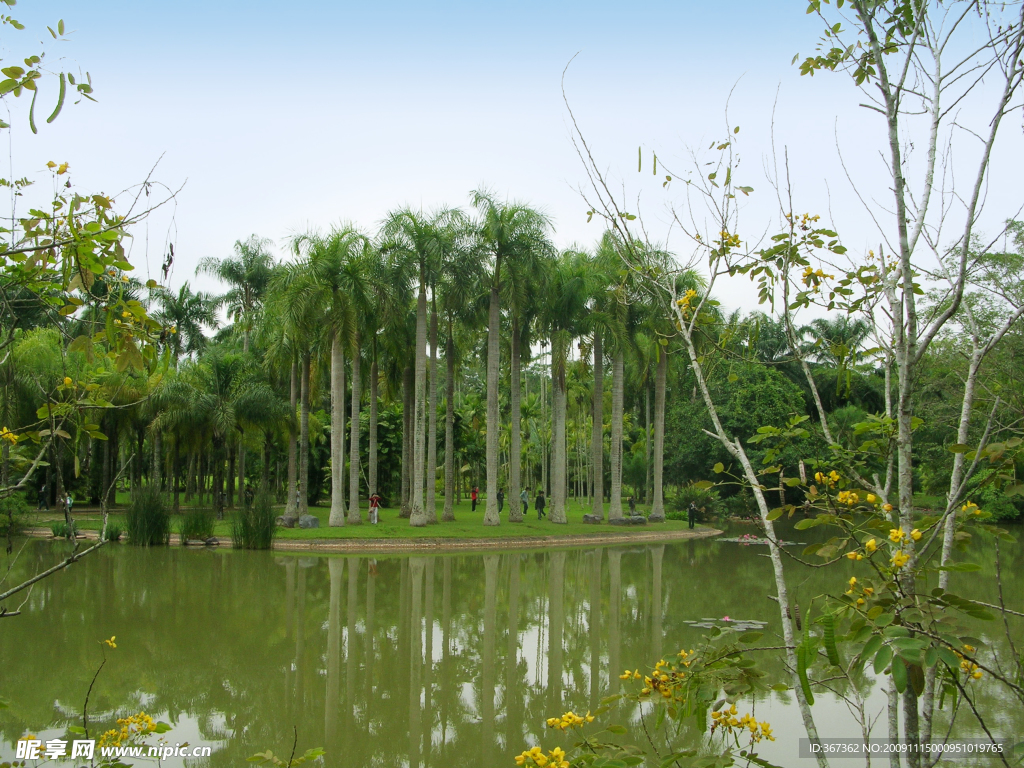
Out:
{"x": 254, "y": 526}
{"x": 147, "y": 521}
{"x": 59, "y": 529}
{"x": 114, "y": 532}
{"x": 196, "y": 524}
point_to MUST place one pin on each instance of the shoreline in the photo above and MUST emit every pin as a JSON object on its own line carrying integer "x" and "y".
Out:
{"x": 442, "y": 544}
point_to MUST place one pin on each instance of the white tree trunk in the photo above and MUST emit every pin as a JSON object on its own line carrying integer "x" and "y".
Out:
{"x": 618, "y": 391}
{"x": 337, "y": 516}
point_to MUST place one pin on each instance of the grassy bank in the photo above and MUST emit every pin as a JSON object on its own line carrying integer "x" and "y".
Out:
{"x": 467, "y": 525}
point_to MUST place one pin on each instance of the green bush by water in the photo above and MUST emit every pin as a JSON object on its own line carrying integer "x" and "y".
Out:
{"x": 196, "y": 524}
{"x": 114, "y": 532}
{"x": 60, "y": 530}
{"x": 707, "y": 498}
{"x": 254, "y": 527}
{"x": 14, "y": 514}
{"x": 147, "y": 521}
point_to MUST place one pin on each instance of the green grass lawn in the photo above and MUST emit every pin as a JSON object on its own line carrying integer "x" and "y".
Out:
{"x": 467, "y": 524}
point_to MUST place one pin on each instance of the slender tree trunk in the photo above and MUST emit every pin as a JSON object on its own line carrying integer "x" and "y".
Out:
{"x": 175, "y": 476}
{"x": 155, "y": 474}
{"x": 515, "y": 510}
{"x": 229, "y": 478}
{"x": 418, "y": 517}
{"x": 449, "y": 428}
{"x": 303, "y": 505}
{"x": 337, "y": 516}
{"x": 647, "y": 441}
{"x": 493, "y": 353}
{"x": 660, "y": 381}
{"x": 558, "y": 457}
{"x": 291, "y": 503}
{"x": 431, "y": 471}
{"x": 354, "y": 517}
{"x": 371, "y": 470}
{"x": 615, "y": 506}
{"x": 241, "y": 468}
{"x": 407, "y": 422}
{"x": 217, "y": 459}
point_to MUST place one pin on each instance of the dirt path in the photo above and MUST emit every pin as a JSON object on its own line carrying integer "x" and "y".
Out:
{"x": 388, "y": 546}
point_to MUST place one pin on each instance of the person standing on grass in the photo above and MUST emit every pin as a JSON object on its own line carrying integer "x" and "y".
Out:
{"x": 540, "y": 504}
{"x": 524, "y": 499}
{"x": 501, "y": 499}
{"x": 374, "y": 509}
{"x": 691, "y": 514}
{"x": 632, "y": 506}
{"x": 44, "y": 498}
{"x": 473, "y": 495}
{"x": 70, "y": 502}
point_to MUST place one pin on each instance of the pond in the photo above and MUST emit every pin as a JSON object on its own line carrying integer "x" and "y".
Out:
{"x": 453, "y": 660}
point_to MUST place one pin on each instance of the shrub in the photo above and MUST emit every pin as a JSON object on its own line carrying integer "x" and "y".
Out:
{"x": 708, "y": 498}
{"x": 147, "y": 521}
{"x": 196, "y": 524}
{"x": 14, "y": 514}
{"x": 59, "y": 529}
{"x": 114, "y": 532}
{"x": 254, "y": 526}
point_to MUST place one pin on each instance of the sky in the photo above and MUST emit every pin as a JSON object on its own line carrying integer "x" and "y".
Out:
{"x": 274, "y": 119}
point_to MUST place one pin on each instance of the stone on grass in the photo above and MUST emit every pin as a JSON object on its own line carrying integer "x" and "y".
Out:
{"x": 309, "y": 521}
{"x": 285, "y": 521}
{"x": 592, "y": 519}
{"x": 659, "y": 518}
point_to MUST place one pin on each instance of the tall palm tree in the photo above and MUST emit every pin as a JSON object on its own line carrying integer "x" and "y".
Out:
{"x": 186, "y": 314}
{"x": 508, "y": 232}
{"x": 330, "y": 283}
{"x": 248, "y": 273}
{"x": 562, "y": 312}
{"x": 420, "y": 241}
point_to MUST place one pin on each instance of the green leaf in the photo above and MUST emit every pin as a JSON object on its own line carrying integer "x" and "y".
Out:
{"x": 882, "y": 659}
{"x": 899, "y": 674}
{"x": 703, "y": 485}
{"x": 719, "y": 468}
{"x": 616, "y": 729}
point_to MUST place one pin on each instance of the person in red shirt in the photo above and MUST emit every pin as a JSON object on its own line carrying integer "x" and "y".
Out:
{"x": 374, "y": 509}
{"x": 473, "y": 495}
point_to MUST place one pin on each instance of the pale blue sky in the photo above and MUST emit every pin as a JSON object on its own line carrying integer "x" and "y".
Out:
{"x": 281, "y": 117}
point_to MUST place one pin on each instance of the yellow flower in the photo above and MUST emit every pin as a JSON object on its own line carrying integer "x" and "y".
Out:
{"x": 111, "y": 642}
{"x": 887, "y": 507}
{"x": 976, "y": 674}
{"x": 67, "y": 381}
{"x": 860, "y": 601}
{"x": 10, "y": 437}
{"x": 896, "y": 535}
{"x": 899, "y": 559}
{"x": 869, "y": 591}
{"x": 625, "y": 675}
{"x": 872, "y": 498}
{"x": 853, "y": 582}
{"x": 871, "y": 546}
{"x": 915, "y": 535}
{"x": 969, "y": 648}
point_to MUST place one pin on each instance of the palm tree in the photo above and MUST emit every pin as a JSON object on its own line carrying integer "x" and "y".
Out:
{"x": 186, "y": 314}
{"x": 334, "y": 278}
{"x": 837, "y": 342}
{"x": 420, "y": 242}
{"x": 508, "y": 232}
{"x": 460, "y": 289}
{"x": 562, "y": 309}
{"x": 248, "y": 273}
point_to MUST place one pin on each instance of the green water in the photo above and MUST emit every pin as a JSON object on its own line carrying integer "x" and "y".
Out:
{"x": 452, "y": 660}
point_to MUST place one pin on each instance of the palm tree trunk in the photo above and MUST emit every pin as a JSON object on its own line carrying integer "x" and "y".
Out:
{"x": 647, "y": 441}
{"x": 217, "y": 458}
{"x": 615, "y": 506}
{"x": 353, "y": 457}
{"x": 431, "y": 471}
{"x": 371, "y": 470}
{"x": 290, "y": 504}
{"x": 407, "y": 420}
{"x": 515, "y": 510}
{"x": 337, "y": 516}
{"x": 597, "y": 439}
{"x": 229, "y": 478}
{"x": 660, "y": 381}
{"x": 558, "y": 458}
{"x": 493, "y": 353}
{"x": 154, "y": 473}
{"x": 303, "y": 501}
{"x": 418, "y": 518}
{"x": 175, "y": 476}
{"x": 449, "y": 429}
{"x": 241, "y": 469}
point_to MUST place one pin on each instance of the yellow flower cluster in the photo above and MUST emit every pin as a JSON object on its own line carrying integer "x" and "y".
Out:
{"x": 849, "y": 498}
{"x": 870, "y": 546}
{"x": 536, "y": 757}
{"x": 110, "y": 643}
{"x": 666, "y": 678}
{"x": 896, "y": 535}
{"x": 569, "y": 720}
{"x": 130, "y": 728}
{"x": 830, "y": 479}
{"x": 728, "y": 720}
{"x": 900, "y": 558}
{"x": 635, "y": 674}
{"x": 970, "y": 508}
{"x": 684, "y": 302}
{"x": 730, "y": 240}
{"x": 10, "y": 437}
